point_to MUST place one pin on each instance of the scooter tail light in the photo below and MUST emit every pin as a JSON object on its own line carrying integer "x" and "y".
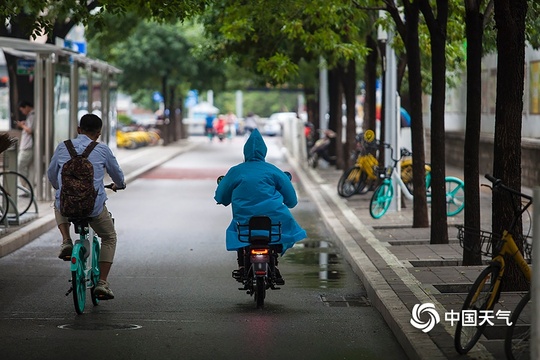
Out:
{"x": 260, "y": 272}
{"x": 259, "y": 251}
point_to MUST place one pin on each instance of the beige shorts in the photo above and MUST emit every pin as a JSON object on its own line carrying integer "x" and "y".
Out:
{"x": 103, "y": 225}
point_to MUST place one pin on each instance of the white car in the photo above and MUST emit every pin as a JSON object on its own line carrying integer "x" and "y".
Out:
{"x": 282, "y": 117}
{"x": 272, "y": 127}
{"x": 274, "y": 124}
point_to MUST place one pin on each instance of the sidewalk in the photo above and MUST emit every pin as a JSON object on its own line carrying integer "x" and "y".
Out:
{"x": 400, "y": 268}
{"x": 133, "y": 163}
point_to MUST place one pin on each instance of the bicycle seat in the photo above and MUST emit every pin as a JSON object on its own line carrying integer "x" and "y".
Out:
{"x": 79, "y": 223}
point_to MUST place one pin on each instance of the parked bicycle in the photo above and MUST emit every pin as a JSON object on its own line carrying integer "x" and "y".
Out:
{"x": 363, "y": 175}
{"x": 16, "y": 196}
{"x": 384, "y": 193}
{"x": 18, "y": 187}
{"x": 485, "y": 292}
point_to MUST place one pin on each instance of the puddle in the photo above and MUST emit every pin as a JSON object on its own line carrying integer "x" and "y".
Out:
{"x": 318, "y": 265}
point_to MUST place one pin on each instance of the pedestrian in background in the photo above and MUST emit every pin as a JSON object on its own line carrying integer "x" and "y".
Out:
{"x": 250, "y": 124}
{"x": 25, "y": 159}
{"x": 232, "y": 120}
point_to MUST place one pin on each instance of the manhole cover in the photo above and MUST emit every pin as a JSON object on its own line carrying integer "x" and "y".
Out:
{"x": 100, "y": 327}
{"x": 345, "y": 301}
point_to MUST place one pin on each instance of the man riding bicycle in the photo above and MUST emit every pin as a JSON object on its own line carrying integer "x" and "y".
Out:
{"x": 103, "y": 161}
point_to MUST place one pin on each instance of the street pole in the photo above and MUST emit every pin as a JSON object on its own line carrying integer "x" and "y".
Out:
{"x": 239, "y": 104}
{"x": 390, "y": 114}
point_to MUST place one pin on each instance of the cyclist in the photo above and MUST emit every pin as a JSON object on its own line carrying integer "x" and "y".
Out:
{"x": 101, "y": 221}
{"x": 256, "y": 187}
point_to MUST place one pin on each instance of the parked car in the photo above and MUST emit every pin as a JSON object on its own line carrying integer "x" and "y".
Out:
{"x": 272, "y": 127}
{"x": 282, "y": 117}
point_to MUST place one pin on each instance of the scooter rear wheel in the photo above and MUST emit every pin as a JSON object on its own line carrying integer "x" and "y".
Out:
{"x": 260, "y": 292}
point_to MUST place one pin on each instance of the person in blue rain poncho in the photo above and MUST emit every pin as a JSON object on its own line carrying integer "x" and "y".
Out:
{"x": 256, "y": 187}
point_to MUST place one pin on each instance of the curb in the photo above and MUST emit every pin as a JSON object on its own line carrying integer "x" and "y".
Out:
{"x": 26, "y": 234}
{"x": 416, "y": 344}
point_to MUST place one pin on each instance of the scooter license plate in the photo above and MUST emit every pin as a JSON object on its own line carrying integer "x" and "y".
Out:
{"x": 259, "y": 259}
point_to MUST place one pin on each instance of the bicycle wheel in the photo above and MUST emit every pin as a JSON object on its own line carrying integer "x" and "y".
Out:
{"x": 350, "y": 182}
{"x": 94, "y": 275}
{"x": 381, "y": 199}
{"x": 4, "y": 204}
{"x": 455, "y": 195}
{"x": 260, "y": 292}
{"x": 24, "y": 196}
{"x": 516, "y": 342}
{"x": 483, "y": 295}
{"x": 78, "y": 278}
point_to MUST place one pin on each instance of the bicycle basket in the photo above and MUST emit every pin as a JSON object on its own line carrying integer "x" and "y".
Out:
{"x": 487, "y": 245}
{"x": 385, "y": 172}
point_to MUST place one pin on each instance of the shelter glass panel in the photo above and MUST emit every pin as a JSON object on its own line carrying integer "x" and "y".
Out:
{"x": 61, "y": 108}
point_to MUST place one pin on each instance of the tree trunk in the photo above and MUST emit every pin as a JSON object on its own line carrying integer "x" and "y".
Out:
{"x": 510, "y": 22}
{"x": 349, "y": 91}
{"x": 312, "y": 106}
{"x": 339, "y": 146}
{"x": 437, "y": 30}
{"x": 334, "y": 104}
{"x": 420, "y": 215}
{"x": 474, "y": 28}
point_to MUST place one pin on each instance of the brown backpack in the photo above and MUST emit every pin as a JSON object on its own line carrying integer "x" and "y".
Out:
{"x": 77, "y": 193}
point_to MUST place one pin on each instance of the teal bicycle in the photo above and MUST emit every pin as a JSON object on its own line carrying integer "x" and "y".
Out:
{"x": 84, "y": 263}
{"x": 384, "y": 193}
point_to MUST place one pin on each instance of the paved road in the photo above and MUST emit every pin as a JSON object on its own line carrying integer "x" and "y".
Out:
{"x": 175, "y": 297}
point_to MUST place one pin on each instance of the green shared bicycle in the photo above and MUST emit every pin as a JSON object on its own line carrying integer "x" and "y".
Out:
{"x": 384, "y": 193}
{"x": 84, "y": 263}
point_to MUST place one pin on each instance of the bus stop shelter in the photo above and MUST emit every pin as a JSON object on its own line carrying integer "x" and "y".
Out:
{"x": 66, "y": 85}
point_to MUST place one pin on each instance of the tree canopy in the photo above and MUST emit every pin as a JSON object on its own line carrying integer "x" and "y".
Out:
{"x": 24, "y": 19}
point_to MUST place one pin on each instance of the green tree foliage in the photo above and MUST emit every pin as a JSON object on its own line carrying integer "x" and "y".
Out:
{"x": 24, "y": 19}
{"x": 155, "y": 55}
{"x": 271, "y": 37}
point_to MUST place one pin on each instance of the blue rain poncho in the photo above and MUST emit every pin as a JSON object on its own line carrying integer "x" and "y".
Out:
{"x": 256, "y": 187}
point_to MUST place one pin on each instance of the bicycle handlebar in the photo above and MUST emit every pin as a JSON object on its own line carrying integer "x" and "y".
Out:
{"x": 497, "y": 183}
{"x": 113, "y": 187}
{"x": 404, "y": 152}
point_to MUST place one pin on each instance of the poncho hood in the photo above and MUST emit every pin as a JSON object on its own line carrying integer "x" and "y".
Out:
{"x": 255, "y": 148}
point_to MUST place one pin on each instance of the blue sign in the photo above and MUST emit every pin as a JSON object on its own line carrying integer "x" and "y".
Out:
{"x": 157, "y": 96}
{"x": 76, "y": 46}
{"x": 192, "y": 98}
{"x": 25, "y": 67}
